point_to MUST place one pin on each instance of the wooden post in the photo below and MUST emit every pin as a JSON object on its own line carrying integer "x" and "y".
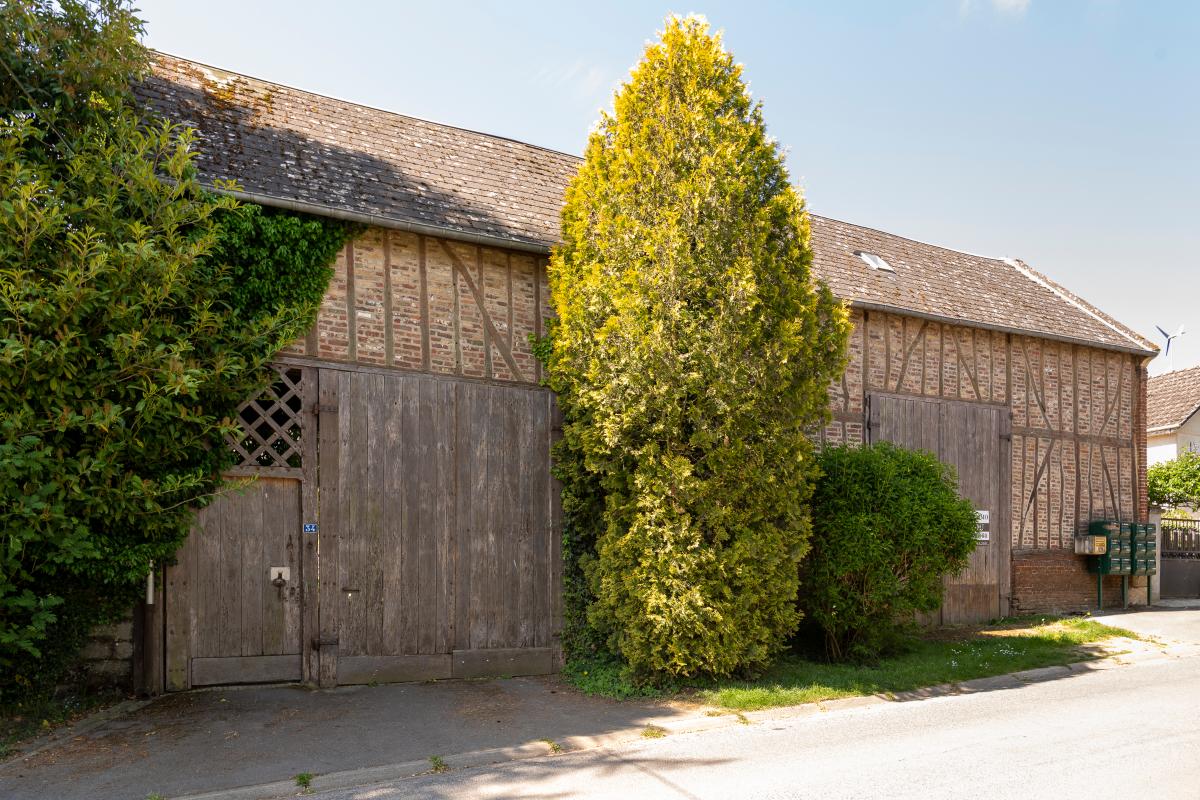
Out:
{"x": 330, "y": 527}
{"x": 177, "y": 612}
{"x": 148, "y": 655}
{"x": 309, "y": 622}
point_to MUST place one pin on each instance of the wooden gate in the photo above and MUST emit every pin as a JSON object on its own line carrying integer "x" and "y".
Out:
{"x": 233, "y": 598}
{"x": 437, "y": 557}
{"x": 1179, "y": 549}
{"x": 975, "y": 439}
{"x": 400, "y": 527}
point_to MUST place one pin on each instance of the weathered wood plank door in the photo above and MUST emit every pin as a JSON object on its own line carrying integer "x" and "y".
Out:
{"x": 234, "y": 596}
{"x": 436, "y": 546}
{"x": 974, "y": 439}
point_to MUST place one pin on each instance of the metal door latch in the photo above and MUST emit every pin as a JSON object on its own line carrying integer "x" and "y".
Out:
{"x": 282, "y": 574}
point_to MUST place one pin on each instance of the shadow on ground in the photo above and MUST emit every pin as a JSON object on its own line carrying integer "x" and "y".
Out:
{"x": 210, "y": 740}
{"x": 550, "y": 778}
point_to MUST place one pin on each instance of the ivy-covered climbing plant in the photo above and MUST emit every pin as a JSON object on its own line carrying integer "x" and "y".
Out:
{"x": 692, "y": 351}
{"x": 138, "y": 310}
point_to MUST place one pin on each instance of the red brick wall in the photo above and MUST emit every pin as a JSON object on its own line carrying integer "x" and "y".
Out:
{"x": 1056, "y": 582}
{"x": 423, "y": 303}
{"x": 1139, "y": 448}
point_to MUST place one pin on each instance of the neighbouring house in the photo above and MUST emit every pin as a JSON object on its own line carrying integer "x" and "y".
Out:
{"x": 1172, "y": 424}
{"x": 405, "y": 451}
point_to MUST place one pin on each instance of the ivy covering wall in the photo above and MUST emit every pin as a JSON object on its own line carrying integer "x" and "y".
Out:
{"x": 138, "y": 310}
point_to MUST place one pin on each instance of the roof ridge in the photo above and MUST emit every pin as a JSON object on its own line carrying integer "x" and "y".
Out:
{"x": 1077, "y": 301}
{"x": 481, "y": 134}
{"x": 907, "y": 238}
{"x": 1174, "y": 372}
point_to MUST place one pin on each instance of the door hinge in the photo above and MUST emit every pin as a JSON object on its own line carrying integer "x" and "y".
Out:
{"x": 320, "y": 408}
{"x": 324, "y": 641}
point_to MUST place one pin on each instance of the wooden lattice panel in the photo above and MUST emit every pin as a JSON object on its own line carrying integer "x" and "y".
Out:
{"x": 272, "y": 426}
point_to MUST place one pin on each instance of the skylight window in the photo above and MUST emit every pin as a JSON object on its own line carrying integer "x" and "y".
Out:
{"x": 874, "y": 262}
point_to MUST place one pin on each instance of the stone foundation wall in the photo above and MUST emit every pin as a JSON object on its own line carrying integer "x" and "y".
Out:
{"x": 107, "y": 658}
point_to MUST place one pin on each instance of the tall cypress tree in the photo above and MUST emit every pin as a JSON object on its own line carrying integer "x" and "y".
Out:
{"x": 693, "y": 351}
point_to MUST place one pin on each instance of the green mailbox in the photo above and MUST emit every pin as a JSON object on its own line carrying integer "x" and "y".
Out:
{"x": 1119, "y": 553}
{"x": 1145, "y": 553}
{"x": 1130, "y": 549}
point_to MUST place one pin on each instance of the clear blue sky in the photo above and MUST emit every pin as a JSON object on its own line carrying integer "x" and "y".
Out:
{"x": 1062, "y": 132}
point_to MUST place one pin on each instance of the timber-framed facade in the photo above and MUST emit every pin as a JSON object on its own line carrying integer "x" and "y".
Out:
{"x": 416, "y": 534}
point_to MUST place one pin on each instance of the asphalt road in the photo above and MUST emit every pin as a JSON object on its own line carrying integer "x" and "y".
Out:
{"x": 1124, "y": 732}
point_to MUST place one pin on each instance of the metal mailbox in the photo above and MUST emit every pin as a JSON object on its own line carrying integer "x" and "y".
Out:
{"x": 1129, "y": 548}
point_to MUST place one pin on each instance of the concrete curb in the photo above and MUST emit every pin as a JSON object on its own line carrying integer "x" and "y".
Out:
{"x": 703, "y": 720}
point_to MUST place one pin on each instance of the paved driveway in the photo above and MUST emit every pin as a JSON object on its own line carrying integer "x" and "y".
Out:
{"x": 211, "y": 740}
{"x": 1170, "y": 621}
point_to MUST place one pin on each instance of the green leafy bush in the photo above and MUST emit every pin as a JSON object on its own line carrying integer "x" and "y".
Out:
{"x": 1175, "y": 482}
{"x": 693, "y": 350}
{"x": 128, "y": 338}
{"x": 888, "y": 524}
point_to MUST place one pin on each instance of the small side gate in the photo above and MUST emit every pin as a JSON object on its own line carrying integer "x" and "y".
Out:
{"x": 234, "y": 599}
{"x": 1179, "y": 549}
{"x": 975, "y": 439}
{"x": 399, "y": 526}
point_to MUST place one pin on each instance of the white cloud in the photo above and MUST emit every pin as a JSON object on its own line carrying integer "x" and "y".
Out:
{"x": 1016, "y": 8}
{"x": 583, "y": 80}
{"x": 1011, "y": 6}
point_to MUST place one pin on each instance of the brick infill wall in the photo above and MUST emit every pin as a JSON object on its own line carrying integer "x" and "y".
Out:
{"x": 1057, "y": 582}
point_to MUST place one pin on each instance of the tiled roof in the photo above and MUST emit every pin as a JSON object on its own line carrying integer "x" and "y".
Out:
{"x": 287, "y": 146}
{"x": 950, "y": 285}
{"x": 1171, "y": 398}
{"x": 283, "y": 143}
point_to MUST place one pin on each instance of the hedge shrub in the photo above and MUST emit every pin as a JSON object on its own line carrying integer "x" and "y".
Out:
{"x": 137, "y": 312}
{"x": 693, "y": 350}
{"x": 1176, "y": 482}
{"x": 888, "y": 525}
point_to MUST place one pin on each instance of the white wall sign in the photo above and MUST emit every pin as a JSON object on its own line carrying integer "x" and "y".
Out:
{"x": 983, "y": 525}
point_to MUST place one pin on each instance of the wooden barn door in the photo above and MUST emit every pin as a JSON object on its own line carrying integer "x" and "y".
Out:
{"x": 974, "y": 438}
{"x": 436, "y": 546}
{"x": 234, "y": 596}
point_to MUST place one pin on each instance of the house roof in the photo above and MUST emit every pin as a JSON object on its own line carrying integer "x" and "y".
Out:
{"x": 1171, "y": 399}
{"x": 309, "y": 152}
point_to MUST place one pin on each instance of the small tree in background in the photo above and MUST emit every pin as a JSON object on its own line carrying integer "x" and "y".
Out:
{"x": 1175, "y": 483}
{"x": 888, "y": 525}
{"x": 130, "y": 329}
{"x": 693, "y": 350}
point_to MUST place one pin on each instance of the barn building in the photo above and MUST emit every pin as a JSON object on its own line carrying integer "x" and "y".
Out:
{"x": 414, "y": 478}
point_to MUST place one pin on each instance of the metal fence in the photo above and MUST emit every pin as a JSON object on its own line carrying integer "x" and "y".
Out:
{"x": 1180, "y": 538}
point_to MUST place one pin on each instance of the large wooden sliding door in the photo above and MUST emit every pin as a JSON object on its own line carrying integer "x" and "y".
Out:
{"x": 437, "y": 549}
{"x": 974, "y": 438}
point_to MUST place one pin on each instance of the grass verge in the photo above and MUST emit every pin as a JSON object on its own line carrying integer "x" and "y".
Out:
{"x": 943, "y": 656}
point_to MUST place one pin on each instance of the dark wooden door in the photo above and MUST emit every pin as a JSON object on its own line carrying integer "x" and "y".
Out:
{"x": 974, "y": 439}
{"x": 436, "y": 551}
{"x": 234, "y": 598}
